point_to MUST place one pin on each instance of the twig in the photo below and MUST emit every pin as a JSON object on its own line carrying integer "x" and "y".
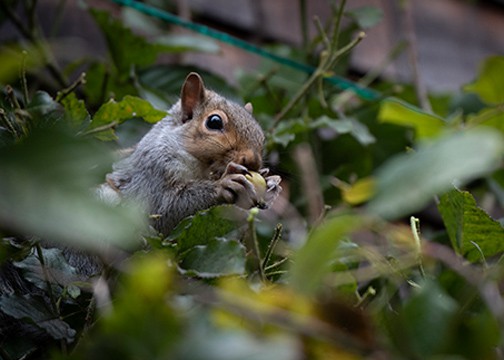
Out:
{"x": 40, "y": 256}
{"x": 305, "y": 160}
{"x": 420, "y": 88}
{"x": 24, "y": 83}
{"x": 254, "y": 242}
{"x": 277, "y": 235}
{"x": 65, "y": 92}
{"x": 337, "y": 23}
{"x": 5, "y": 120}
{"x": 98, "y": 129}
{"x": 30, "y": 33}
{"x": 327, "y": 62}
{"x": 304, "y": 23}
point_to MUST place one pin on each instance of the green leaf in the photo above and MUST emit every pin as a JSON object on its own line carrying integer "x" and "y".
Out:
{"x": 11, "y": 58}
{"x": 34, "y": 309}
{"x": 220, "y": 257}
{"x": 44, "y": 110}
{"x": 126, "y": 48}
{"x": 76, "y": 113}
{"x": 46, "y": 189}
{"x": 183, "y": 43}
{"x": 367, "y": 16}
{"x": 490, "y": 82}
{"x": 57, "y": 269}
{"x": 200, "y": 229}
{"x": 398, "y": 112}
{"x": 117, "y": 112}
{"x": 473, "y": 233}
{"x": 425, "y": 325}
{"x": 407, "y": 182}
{"x": 313, "y": 261}
{"x": 491, "y": 117}
{"x": 346, "y": 126}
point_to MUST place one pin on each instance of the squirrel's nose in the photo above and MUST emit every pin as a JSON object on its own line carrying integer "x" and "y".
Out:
{"x": 250, "y": 159}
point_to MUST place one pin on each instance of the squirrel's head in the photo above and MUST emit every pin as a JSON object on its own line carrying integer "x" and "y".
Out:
{"x": 217, "y": 130}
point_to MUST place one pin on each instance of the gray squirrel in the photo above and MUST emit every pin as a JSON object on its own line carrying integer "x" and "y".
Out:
{"x": 202, "y": 154}
{"x": 197, "y": 157}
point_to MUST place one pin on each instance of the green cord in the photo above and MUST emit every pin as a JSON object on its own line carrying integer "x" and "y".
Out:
{"x": 342, "y": 83}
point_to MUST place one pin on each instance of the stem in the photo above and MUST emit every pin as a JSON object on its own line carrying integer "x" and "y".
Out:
{"x": 415, "y": 223}
{"x": 24, "y": 83}
{"x": 255, "y": 243}
{"x": 5, "y": 120}
{"x": 304, "y": 24}
{"x": 40, "y": 256}
{"x": 277, "y": 235}
{"x": 65, "y": 92}
{"x": 101, "y": 128}
{"x": 337, "y": 23}
{"x": 327, "y": 61}
{"x": 420, "y": 89}
{"x": 30, "y": 33}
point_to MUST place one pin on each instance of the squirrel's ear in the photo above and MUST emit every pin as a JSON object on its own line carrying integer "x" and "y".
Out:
{"x": 192, "y": 95}
{"x": 248, "y": 106}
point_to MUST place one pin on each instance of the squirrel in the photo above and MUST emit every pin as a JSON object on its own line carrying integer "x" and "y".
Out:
{"x": 196, "y": 157}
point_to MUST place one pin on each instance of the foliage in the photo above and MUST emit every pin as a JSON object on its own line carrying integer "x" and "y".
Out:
{"x": 391, "y": 248}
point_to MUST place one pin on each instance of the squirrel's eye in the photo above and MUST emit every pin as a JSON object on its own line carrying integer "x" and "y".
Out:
{"x": 214, "y": 122}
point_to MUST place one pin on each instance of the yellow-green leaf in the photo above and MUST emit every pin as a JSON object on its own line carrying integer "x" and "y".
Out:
{"x": 490, "y": 83}
{"x": 397, "y": 112}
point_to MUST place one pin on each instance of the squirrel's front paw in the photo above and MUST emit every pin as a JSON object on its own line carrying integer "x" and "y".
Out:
{"x": 235, "y": 188}
{"x": 239, "y": 186}
{"x": 273, "y": 187}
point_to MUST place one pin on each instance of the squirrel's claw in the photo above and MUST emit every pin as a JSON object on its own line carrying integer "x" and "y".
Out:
{"x": 236, "y": 189}
{"x": 273, "y": 189}
{"x": 234, "y": 168}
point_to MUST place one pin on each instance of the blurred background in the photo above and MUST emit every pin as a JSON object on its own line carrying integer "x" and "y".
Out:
{"x": 451, "y": 37}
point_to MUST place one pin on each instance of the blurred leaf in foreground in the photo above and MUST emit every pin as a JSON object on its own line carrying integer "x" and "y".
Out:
{"x": 397, "y": 112}
{"x": 490, "y": 82}
{"x": 46, "y": 189}
{"x": 313, "y": 261}
{"x": 473, "y": 233}
{"x": 408, "y": 182}
{"x": 424, "y": 326}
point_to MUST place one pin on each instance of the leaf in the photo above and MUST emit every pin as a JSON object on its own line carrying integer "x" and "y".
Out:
{"x": 182, "y": 43}
{"x": 346, "y": 126}
{"x": 397, "y": 112}
{"x": 76, "y": 113}
{"x": 473, "y": 233}
{"x": 286, "y": 131}
{"x": 425, "y": 325}
{"x": 491, "y": 117}
{"x": 359, "y": 192}
{"x": 366, "y": 16}
{"x": 34, "y": 309}
{"x": 126, "y": 48}
{"x": 118, "y": 112}
{"x": 46, "y": 190}
{"x": 490, "y": 82}
{"x": 44, "y": 110}
{"x": 11, "y": 58}
{"x": 407, "y": 182}
{"x": 220, "y": 257}
{"x": 57, "y": 269}
{"x": 313, "y": 261}
{"x": 200, "y": 229}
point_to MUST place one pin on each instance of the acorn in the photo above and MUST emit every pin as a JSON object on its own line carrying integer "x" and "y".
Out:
{"x": 259, "y": 183}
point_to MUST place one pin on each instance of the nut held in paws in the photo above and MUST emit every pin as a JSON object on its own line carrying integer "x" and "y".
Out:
{"x": 259, "y": 183}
